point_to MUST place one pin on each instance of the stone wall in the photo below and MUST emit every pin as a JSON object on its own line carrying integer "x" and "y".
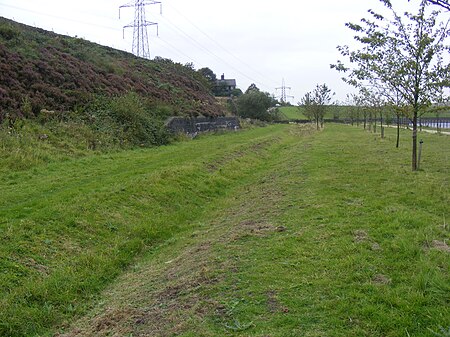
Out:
{"x": 193, "y": 126}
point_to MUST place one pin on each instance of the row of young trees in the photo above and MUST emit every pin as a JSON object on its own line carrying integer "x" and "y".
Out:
{"x": 402, "y": 62}
{"x": 402, "y": 59}
{"x": 315, "y": 104}
{"x": 368, "y": 109}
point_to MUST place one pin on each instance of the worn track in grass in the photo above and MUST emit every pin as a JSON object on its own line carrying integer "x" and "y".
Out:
{"x": 333, "y": 236}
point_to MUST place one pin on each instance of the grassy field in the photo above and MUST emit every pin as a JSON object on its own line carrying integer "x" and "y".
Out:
{"x": 277, "y": 231}
{"x": 69, "y": 225}
{"x": 294, "y": 112}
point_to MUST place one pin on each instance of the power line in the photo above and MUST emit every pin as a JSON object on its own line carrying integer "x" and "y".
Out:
{"x": 57, "y": 17}
{"x": 221, "y": 47}
{"x": 200, "y": 46}
{"x": 443, "y": 3}
{"x": 140, "y": 36}
{"x": 178, "y": 51}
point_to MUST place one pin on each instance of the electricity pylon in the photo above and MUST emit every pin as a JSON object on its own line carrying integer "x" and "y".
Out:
{"x": 283, "y": 95}
{"x": 140, "y": 36}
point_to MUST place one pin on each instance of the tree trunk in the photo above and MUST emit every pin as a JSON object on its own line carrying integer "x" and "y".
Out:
{"x": 374, "y": 121}
{"x": 437, "y": 122}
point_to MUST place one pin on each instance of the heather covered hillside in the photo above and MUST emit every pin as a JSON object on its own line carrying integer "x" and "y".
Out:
{"x": 43, "y": 70}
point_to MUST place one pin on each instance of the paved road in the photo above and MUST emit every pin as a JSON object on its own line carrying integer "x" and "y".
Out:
{"x": 423, "y": 130}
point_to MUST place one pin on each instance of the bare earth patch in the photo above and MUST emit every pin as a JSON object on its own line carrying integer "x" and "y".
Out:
{"x": 381, "y": 279}
{"x": 441, "y": 246}
{"x": 360, "y": 236}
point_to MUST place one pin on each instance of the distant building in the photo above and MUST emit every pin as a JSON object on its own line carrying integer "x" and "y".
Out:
{"x": 224, "y": 87}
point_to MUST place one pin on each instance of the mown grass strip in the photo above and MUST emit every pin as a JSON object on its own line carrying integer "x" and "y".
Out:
{"x": 69, "y": 228}
{"x": 365, "y": 252}
{"x": 333, "y": 236}
{"x": 328, "y": 235}
{"x": 167, "y": 291}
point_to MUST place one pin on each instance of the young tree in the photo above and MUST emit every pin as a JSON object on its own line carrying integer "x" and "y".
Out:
{"x": 375, "y": 101}
{"x": 364, "y": 98}
{"x": 402, "y": 54}
{"x": 358, "y": 103}
{"x": 305, "y": 106}
{"x": 315, "y": 104}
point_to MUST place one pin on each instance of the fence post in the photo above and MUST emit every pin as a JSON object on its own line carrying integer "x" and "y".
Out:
{"x": 420, "y": 154}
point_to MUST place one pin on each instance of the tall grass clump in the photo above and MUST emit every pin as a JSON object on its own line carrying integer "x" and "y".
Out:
{"x": 139, "y": 121}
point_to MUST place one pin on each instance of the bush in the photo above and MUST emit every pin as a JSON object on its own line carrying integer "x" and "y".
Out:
{"x": 130, "y": 118}
{"x": 8, "y": 33}
{"x": 255, "y": 104}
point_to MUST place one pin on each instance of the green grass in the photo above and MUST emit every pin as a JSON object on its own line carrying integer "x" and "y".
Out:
{"x": 294, "y": 112}
{"x": 358, "y": 256}
{"x": 32, "y": 144}
{"x": 330, "y": 235}
{"x": 68, "y": 228}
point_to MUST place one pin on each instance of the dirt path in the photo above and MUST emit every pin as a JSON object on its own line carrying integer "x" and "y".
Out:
{"x": 447, "y": 133}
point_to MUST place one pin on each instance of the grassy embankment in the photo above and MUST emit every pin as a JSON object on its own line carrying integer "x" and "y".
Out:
{"x": 330, "y": 235}
{"x": 69, "y": 226}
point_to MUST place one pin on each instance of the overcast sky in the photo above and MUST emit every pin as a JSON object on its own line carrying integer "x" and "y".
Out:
{"x": 258, "y": 41}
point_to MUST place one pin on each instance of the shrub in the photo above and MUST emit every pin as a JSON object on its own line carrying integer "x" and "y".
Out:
{"x": 8, "y": 33}
{"x": 255, "y": 104}
{"x": 132, "y": 119}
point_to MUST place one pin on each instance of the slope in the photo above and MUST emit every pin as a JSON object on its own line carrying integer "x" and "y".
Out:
{"x": 43, "y": 70}
{"x": 69, "y": 228}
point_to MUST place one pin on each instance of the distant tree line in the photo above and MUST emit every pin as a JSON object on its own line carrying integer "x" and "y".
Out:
{"x": 316, "y": 103}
